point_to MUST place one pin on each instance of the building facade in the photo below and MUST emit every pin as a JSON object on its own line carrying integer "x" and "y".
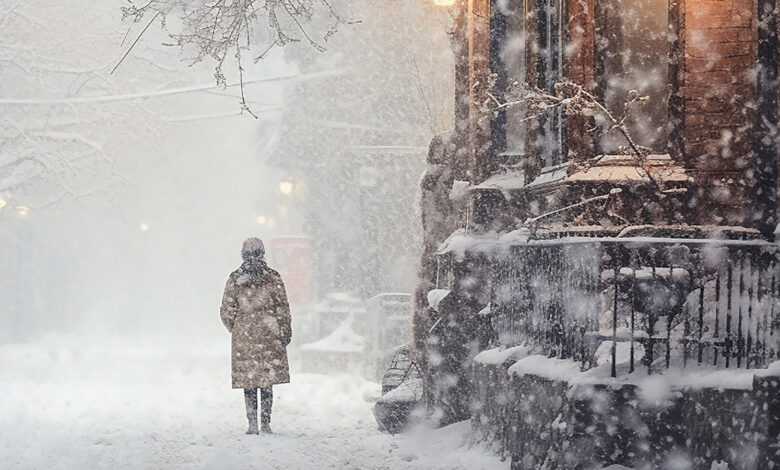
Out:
{"x": 621, "y": 165}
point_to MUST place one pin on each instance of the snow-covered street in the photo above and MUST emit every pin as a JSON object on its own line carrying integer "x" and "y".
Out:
{"x": 68, "y": 403}
{"x": 226, "y": 227}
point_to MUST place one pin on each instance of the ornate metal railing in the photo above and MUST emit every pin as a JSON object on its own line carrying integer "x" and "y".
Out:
{"x": 641, "y": 302}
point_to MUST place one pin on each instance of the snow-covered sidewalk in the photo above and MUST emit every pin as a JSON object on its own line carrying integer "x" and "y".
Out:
{"x": 66, "y": 403}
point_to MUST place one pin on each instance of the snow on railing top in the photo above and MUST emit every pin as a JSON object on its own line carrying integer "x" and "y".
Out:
{"x": 673, "y": 301}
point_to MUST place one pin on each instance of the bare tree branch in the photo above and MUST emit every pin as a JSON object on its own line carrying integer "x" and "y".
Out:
{"x": 214, "y": 28}
{"x": 431, "y": 123}
{"x": 244, "y": 105}
{"x": 574, "y": 99}
{"x": 134, "y": 43}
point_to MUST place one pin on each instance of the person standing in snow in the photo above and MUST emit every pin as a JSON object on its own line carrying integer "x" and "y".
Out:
{"x": 256, "y": 313}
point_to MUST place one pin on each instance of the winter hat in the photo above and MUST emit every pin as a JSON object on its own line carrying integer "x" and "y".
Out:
{"x": 252, "y": 248}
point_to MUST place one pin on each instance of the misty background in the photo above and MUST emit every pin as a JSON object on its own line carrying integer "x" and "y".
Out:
{"x": 127, "y": 195}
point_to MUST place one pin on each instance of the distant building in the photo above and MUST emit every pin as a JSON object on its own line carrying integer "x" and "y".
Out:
{"x": 355, "y": 133}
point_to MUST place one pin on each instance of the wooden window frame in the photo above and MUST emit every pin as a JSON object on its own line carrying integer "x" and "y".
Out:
{"x": 499, "y": 123}
{"x": 554, "y": 121}
{"x": 552, "y": 34}
{"x": 674, "y": 116}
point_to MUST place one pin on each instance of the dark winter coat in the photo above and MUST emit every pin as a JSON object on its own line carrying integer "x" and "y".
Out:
{"x": 255, "y": 311}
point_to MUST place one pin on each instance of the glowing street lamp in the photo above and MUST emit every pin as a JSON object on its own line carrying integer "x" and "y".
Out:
{"x": 3, "y": 203}
{"x": 23, "y": 211}
{"x": 444, "y": 3}
{"x": 144, "y": 227}
{"x": 286, "y": 187}
{"x": 261, "y": 220}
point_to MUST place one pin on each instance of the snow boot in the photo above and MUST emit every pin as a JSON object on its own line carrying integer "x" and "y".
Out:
{"x": 266, "y": 427}
{"x": 250, "y": 400}
{"x": 266, "y": 403}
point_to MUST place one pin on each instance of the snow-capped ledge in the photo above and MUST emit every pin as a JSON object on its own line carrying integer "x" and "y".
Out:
{"x": 435, "y": 297}
{"x": 500, "y": 356}
{"x": 563, "y": 370}
{"x": 653, "y": 387}
{"x": 461, "y": 242}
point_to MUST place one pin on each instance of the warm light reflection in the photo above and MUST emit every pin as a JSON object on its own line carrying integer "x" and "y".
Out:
{"x": 286, "y": 187}
{"x": 444, "y": 3}
{"x": 24, "y": 211}
{"x": 272, "y": 222}
{"x": 261, "y": 220}
{"x": 144, "y": 227}
{"x": 3, "y": 203}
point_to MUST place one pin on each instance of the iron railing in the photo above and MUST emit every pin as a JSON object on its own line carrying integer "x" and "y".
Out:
{"x": 651, "y": 302}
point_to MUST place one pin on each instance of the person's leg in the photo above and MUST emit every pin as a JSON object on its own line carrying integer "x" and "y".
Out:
{"x": 250, "y": 400}
{"x": 266, "y": 402}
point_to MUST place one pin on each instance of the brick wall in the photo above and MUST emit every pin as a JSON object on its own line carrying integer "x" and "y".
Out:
{"x": 712, "y": 103}
{"x": 715, "y": 102}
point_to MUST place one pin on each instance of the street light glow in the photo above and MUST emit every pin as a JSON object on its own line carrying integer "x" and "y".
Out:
{"x": 286, "y": 187}
{"x": 261, "y": 220}
{"x": 144, "y": 227}
{"x": 23, "y": 211}
{"x": 3, "y": 203}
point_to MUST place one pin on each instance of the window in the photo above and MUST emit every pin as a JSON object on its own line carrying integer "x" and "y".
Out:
{"x": 512, "y": 53}
{"x": 550, "y": 39}
{"x": 633, "y": 47}
{"x": 509, "y": 47}
{"x": 508, "y": 53}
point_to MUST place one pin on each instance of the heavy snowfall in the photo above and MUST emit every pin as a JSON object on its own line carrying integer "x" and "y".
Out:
{"x": 389, "y": 234}
{"x": 126, "y": 192}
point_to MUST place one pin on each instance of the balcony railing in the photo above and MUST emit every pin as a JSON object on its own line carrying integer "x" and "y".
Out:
{"x": 641, "y": 302}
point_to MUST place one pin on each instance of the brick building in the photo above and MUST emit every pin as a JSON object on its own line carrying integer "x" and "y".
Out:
{"x": 706, "y": 66}
{"x": 575, "y": 223}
